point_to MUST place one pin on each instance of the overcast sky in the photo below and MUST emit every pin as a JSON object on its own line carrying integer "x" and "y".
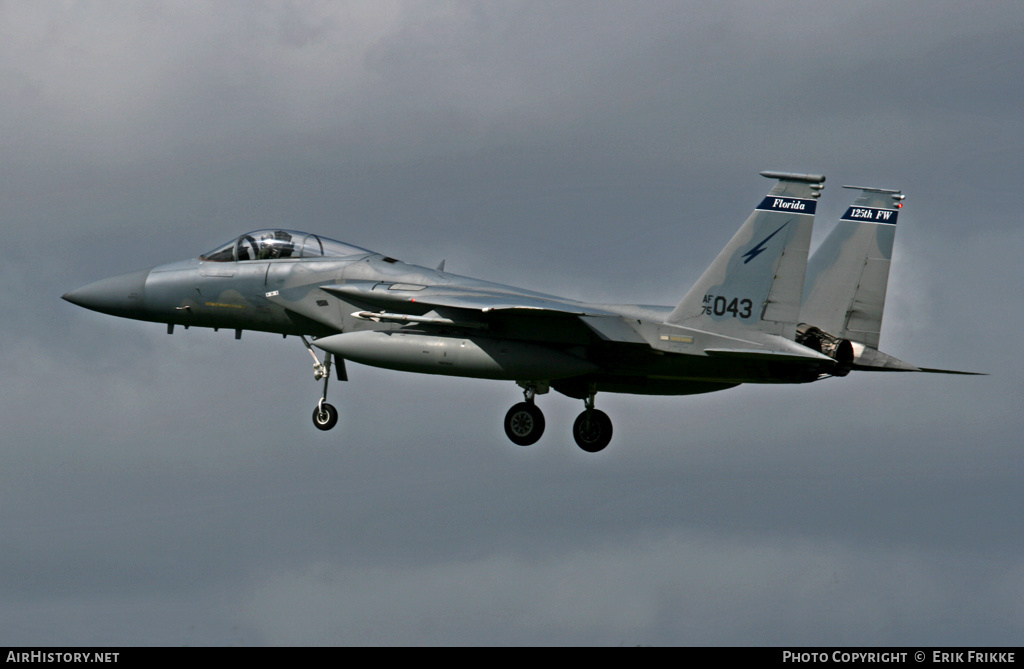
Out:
{"x": 173, "y": 490}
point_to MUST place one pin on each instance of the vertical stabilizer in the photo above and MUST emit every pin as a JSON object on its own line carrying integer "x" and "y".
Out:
{"x": 844, "y": 294}
{"x": 757, "y": 281}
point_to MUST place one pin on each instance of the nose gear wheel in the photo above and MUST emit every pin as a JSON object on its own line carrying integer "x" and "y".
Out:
{"x": 325, "y": 416}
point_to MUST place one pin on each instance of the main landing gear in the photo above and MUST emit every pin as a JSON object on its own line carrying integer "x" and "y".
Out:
{"x": 524, "y": 423}
{"x": 325, "y": 416}
{"x": 592, "y": 429}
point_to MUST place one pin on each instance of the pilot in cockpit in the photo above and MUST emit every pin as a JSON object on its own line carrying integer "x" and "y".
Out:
{"x": 277, "y": 244}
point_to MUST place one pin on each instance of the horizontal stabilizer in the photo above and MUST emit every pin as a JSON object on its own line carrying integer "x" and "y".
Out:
{"x": 911, "y": 368}
{"x": 873, "y": 360}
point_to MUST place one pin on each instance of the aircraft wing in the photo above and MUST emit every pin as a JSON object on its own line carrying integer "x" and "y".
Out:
{"x": 420, "y": 297}
{"x": 531, "y": 315}
{"x": 459, "y": 307}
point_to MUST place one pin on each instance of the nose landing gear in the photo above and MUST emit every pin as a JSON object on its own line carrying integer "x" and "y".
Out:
{"x": 325, "y": 416}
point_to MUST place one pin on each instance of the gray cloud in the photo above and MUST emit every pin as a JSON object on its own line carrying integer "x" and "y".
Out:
{"x": 170, "y": 490}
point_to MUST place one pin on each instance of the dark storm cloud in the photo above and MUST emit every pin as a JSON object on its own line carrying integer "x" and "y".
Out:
{"x": 170, "y": 489}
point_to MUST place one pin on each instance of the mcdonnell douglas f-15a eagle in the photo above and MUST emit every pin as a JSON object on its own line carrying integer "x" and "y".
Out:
{"x": 761, "y": 313}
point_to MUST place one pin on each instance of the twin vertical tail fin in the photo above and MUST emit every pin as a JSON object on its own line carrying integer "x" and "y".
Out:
{"x": 762, "y": 282}
{"x": 844, "y": 294}
{"x": 756, "y": 282}
{"x": 847, "y": 277}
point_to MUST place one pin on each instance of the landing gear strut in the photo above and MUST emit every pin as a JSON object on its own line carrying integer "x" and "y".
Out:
{"x": 325, "y": 416}
{"x": 593, "y": 428}
{"x": 524, "y": 422}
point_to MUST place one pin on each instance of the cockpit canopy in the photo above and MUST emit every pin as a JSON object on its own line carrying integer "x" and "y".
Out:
{"x": 275, "y": 244}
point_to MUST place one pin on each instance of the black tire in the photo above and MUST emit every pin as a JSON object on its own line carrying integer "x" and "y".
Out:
{"x": 524, "y": 424}
{"x": 325, "y": 416}
{"x": 592, "y": 430}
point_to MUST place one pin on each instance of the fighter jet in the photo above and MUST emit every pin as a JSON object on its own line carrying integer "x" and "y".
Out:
{"x": 750, "y": 318}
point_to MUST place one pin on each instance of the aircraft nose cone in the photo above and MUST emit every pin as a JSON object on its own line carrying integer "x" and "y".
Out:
{"x": 121, "y": 295}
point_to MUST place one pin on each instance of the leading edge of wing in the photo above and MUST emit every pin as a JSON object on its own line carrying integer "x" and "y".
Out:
{"x": 481, "y": 302}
